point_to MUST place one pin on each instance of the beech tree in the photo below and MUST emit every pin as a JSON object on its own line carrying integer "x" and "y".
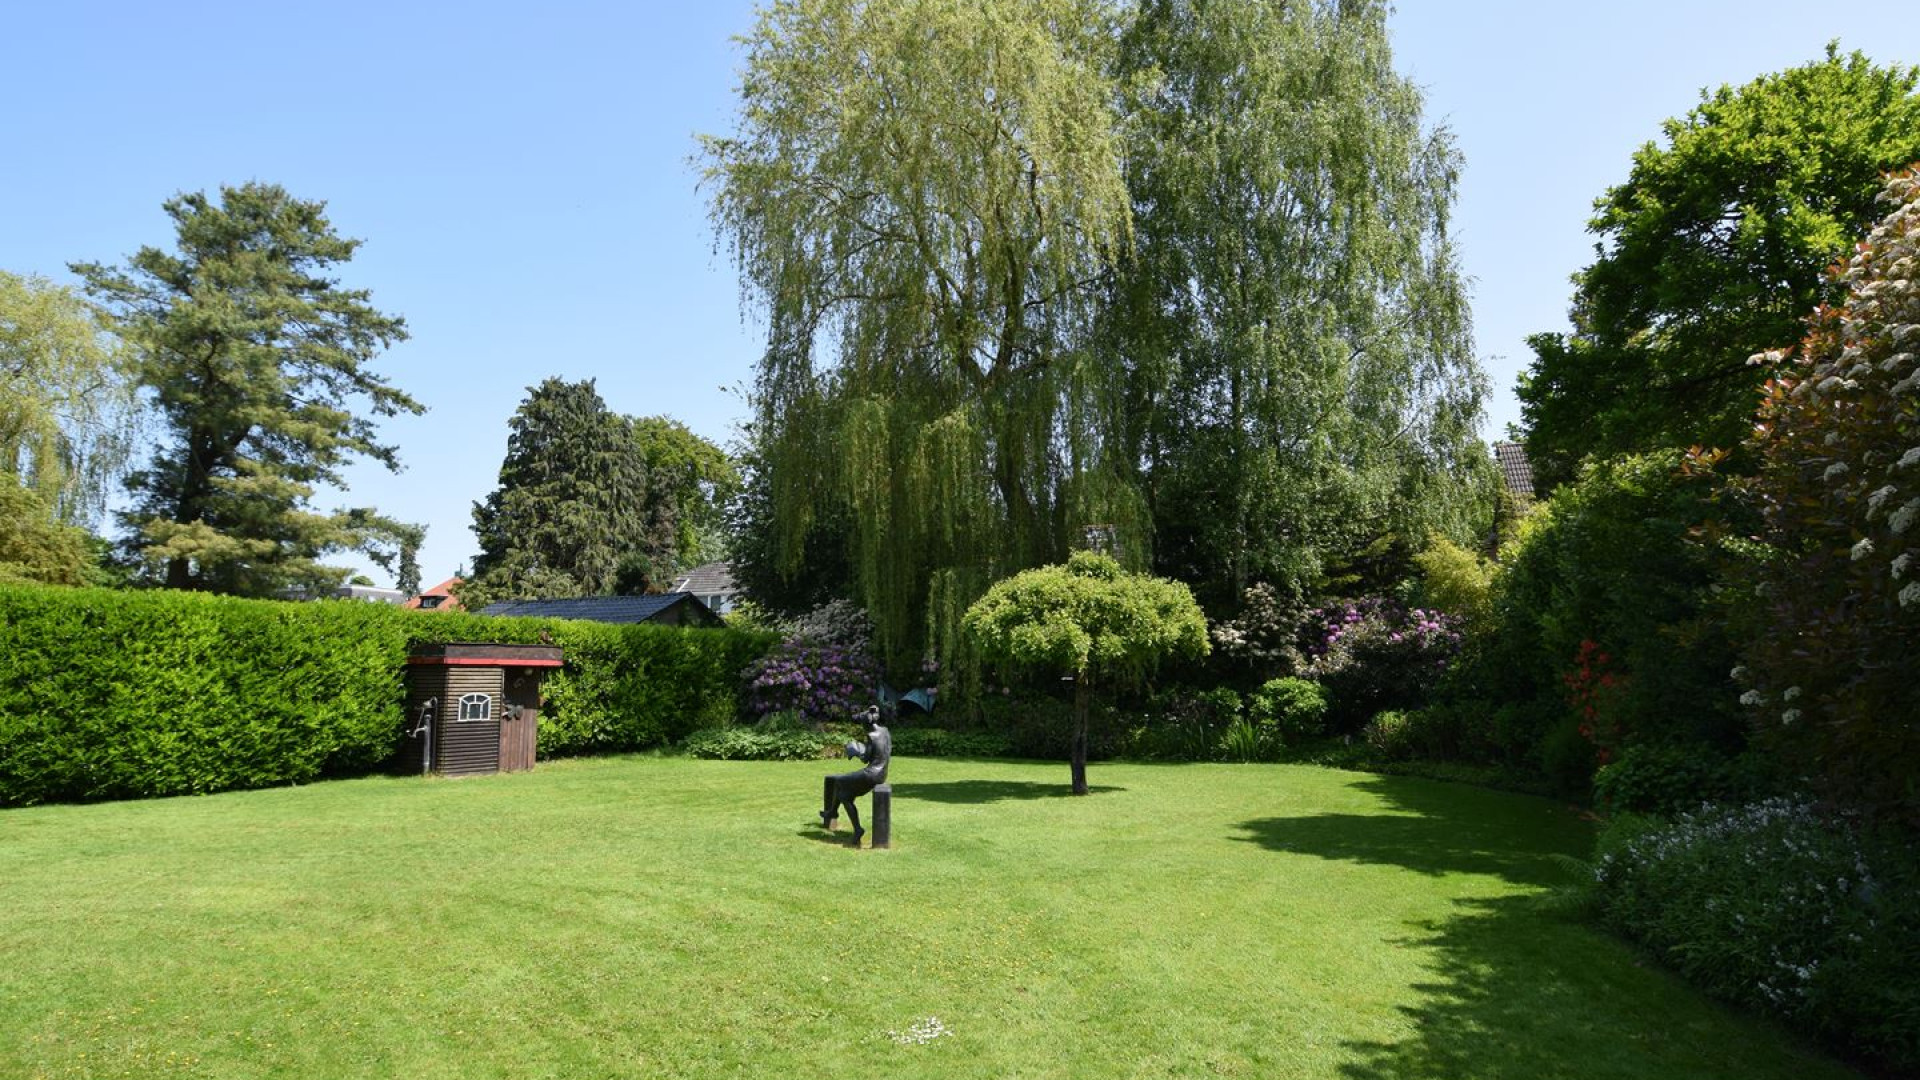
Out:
{"x": 1716, "y": 245}
{"x": 1088, "y": 619}
{"x": 260, "y": 365}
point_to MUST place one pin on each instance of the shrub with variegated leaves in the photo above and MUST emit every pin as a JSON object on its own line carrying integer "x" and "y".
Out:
{"x": 1830, "y": 667}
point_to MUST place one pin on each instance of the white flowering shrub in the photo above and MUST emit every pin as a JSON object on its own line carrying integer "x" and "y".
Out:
{"x": 1774, "y": 907}
{"x": 1829, "y": 665}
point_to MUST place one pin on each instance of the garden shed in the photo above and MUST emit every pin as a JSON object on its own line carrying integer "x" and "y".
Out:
{"x": 473, "y": 708}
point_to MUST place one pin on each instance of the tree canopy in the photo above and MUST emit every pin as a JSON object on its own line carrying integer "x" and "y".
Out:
{"x": 1293, "y": 313}
{"x": 1836, "y": 625}
{"x": 576, "y": 512}
{"x": 1713, "y": 249}
{"x": 921, "y": 195}
{"x": 68, "y": 408}
{"x": 1178, "y": 273}
{"x": 260, "y": 367}
{"x": 1088, "y": 619}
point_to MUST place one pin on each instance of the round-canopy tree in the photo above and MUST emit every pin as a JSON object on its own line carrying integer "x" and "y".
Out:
{"x": 1088, "y": 619}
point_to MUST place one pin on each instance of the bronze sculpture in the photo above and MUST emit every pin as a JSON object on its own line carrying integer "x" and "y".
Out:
{"x": 842, "y": 788}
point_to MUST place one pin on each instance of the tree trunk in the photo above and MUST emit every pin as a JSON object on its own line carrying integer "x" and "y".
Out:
{"x": 1082, "y": 698}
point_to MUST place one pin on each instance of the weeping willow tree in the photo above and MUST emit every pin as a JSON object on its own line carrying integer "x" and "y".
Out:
{"x": 1292, "y": 315}
{"x": 922, "y": 197}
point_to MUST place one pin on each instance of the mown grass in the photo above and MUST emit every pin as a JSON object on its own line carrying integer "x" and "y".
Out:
{"x": 641, "y": 917}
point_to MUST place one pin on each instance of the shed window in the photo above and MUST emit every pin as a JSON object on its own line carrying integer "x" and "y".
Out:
{"x": 476, "y": 707}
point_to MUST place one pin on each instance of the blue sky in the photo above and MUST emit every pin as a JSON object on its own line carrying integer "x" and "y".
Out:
{"x": 522, "y": 178}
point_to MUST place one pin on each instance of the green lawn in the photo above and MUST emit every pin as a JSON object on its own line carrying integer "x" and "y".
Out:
{"x": 636, "y": 917}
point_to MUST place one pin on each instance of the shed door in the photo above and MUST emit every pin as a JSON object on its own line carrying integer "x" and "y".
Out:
{"x": 519, "y": 727}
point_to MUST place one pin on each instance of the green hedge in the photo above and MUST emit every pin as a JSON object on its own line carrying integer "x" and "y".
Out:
{"x": 107, "y": 694}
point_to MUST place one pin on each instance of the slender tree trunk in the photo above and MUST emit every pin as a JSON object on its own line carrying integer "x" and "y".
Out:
{"x": 1082, "y": 700}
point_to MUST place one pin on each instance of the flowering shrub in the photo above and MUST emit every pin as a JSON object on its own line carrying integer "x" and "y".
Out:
{"x": 1837, "y": 606}
{"x": 822, "y": 683}
{"x": 1592, "y": 686}
{"x": 1771, "y": 906}
{"x": 1376, "y": 654}
{"x": 825, "y": 671}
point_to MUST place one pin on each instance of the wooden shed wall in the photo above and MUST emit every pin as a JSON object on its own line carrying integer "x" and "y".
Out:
{"x": 461, "y": 747}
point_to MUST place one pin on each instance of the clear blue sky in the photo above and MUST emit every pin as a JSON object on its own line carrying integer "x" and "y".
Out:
{"x": 521, "y": 174}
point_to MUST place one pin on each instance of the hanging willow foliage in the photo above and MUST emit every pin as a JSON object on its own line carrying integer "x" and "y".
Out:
{"x": 922, "y": 196}
{"x": 1173, "y": 276}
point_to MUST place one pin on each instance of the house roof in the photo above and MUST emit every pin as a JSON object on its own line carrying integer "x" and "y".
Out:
{"x": 707, "y": 579}
{"x": 444, "y": 589}
{"x": 606, "y": 609}
{"x": 1514, "y": 468}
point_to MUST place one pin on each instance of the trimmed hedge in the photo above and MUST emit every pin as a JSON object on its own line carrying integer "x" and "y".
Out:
{"x": 108, "y": 694}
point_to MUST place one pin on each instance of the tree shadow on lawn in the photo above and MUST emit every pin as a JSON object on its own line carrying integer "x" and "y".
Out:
{"x": 1518, "y": 991}
{"x": 986, "y": 791}
{"x": 1435, "y": 828}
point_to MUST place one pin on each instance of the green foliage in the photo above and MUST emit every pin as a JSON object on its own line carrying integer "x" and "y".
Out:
{"x": 1457, "y": 581}
{"x": 34, "y": 545}
{"x": 68, "y": 409}
{"x": 1669, "y": 778}
{"x": 752, "y": 744}
{"x": 1774, "y": 908}
{"x": 1301, "y": 379}
{"x": 922, "y": 196}
{"x": 1292, "y": 708}
{"x": 698, "y": 477}
{"x": 939, "y": 742}
{"x": 1834, "y": 619}
{"x": 1604, "y": 616}
{"x": 127, "y": 694}
{"x": 1088, "y": 618}
{"x": 1390, "y": 735}
{"x": 577, "y": 511}
{"x": 256, "y": 358}
{"x": 1716, "y": 246}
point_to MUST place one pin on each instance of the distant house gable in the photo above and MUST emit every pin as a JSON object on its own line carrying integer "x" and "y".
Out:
{"x": 1515, "y": 470}
{"x": 712, "y": 583}
{"x": 664, "y": 609}
{"x": 438, "y": 598}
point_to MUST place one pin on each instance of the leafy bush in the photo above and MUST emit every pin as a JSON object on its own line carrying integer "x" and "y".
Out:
{"x": 754, "y": 744}
{"x": 939, "y": 742}
{"x": 1375, "y": 655}
{"x": 1291, "y": 708}
{"x": 1179, "y": 724}
{"x": 1836, "y": 604}
{"x": 128, "y": 694}
{"x": 1773, "y": 907}
{"x": 1456, "y": 581}
{"x": 1390, "y": 734}
{"x": 1667, "y": 778}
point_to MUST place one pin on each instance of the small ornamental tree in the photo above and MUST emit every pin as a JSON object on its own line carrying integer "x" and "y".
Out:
{"x": 1089, "y": 620}
{"x": 1830, "y": 662}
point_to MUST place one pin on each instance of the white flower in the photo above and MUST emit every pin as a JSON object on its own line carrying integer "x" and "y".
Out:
{"x": 1862, "y": 549}
{"x": 1753, "y": 697}
{"x": 1910, "y": 594}
{"x": 1788, "y": 717}
{"x": 1791, "y": 693}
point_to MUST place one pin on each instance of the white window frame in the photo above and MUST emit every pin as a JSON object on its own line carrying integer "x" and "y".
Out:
{"x": 484, "y": 703}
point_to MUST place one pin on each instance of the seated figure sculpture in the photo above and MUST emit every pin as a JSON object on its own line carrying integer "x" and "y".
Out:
{"x": 843, "y": 788}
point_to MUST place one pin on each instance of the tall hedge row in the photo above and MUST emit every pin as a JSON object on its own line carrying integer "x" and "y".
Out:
{"x": 107, "y": 694}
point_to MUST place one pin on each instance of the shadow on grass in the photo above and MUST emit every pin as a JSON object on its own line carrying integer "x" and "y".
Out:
{"x": 1437, "y": 829}
{"x": 1516, "y": 991}
{"x": 986, "y": 791}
